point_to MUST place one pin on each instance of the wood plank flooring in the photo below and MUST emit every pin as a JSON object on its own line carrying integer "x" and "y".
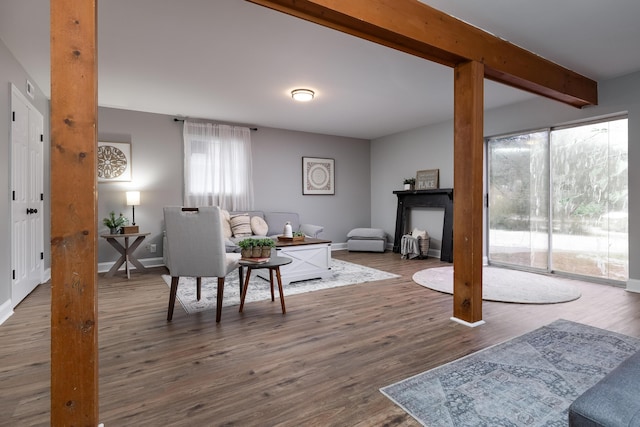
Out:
{"x": 321, "y": 364}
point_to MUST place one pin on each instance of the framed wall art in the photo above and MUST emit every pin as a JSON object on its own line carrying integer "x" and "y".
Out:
{"x": 318, "y": 176}
{"x": 427, "y": 179}
{"x": 114, "y": 161}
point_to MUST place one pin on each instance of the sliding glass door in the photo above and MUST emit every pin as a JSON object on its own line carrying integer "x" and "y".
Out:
{"x": 519, "y": 199}
{"x": 558, "y": 200}
{"x": 590, "y": 195}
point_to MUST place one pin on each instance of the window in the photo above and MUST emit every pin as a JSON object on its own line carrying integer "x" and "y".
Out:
{"x": 558, "y": 200}
{"x": 218, "y": 166}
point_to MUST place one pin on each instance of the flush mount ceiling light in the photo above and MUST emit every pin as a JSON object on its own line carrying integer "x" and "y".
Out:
{"x": 302, "y": 95}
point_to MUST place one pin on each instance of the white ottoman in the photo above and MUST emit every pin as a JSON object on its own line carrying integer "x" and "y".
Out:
{"x": 366, "y": 240}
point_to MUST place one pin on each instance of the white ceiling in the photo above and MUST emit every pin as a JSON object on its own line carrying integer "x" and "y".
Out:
{"x": 233, "y": 61}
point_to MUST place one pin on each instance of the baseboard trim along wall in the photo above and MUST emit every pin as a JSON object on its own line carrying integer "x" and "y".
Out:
{"x": 633, "y": 285}
{"x": 5, "y": 311}
{"x": 103, "y": 267}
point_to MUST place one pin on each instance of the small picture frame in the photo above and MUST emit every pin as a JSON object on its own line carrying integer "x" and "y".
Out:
{"x": 318, "y": 176}
{"x": 114, "y": 161}
{"x": 427, "y": 179}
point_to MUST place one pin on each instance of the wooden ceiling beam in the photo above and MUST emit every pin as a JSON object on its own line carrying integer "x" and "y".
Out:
{"x": 418, "y": 29}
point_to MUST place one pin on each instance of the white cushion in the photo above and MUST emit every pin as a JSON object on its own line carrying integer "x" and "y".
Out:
{"x": 241, "y": 225}
{"x": 259, "y": 226}
{"x": 226, "y": 225}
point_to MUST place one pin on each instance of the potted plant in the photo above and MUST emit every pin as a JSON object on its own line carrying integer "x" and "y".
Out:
{"x": 409, "y": 183}
{"x": 246, "y": 247}
{"x": 257, "y": 248}
{"x": 114, "y": 223}
{"x": 267, "y": 243}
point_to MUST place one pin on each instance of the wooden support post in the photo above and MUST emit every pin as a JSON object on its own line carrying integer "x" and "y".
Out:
{"x": 74, "y": 326}
{"x": 468, "y": 192}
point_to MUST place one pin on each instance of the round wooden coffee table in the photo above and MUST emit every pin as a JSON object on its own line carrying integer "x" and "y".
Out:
{"x": 273, "y": 264}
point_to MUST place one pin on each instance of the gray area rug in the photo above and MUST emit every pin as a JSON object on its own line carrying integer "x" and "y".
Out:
{"x": 342, "y": 274}
{"x": 505, "y": 285}
{"x": 528, "y": 381}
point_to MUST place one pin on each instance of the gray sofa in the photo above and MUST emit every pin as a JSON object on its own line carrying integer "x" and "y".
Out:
{"x": 613, "y": 401}
{"x": 275, "y": 222}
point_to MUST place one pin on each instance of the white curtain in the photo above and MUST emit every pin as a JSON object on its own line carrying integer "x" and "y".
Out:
{"x": 217, "y": 166}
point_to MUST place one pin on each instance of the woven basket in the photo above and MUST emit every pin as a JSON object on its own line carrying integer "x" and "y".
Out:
{"x": 424, "y": 246}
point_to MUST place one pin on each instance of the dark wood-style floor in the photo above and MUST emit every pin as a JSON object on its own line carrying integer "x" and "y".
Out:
{"x": 321, "y": 364}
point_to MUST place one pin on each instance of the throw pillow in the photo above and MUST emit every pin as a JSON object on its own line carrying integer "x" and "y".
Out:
{"x": 417, "y": 233}
{"x": 226, "y": 225}
{"x": 241, "y": 225}
{"x": 259, "y": 226}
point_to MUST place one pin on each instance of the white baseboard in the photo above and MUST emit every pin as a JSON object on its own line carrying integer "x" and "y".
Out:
{"x": 103, "y": 267}
{"x": 465, "y": 323}
{"x": 433, "y": 253}
{"x": 6, "y": 310}
{"x": 46, "y": 275}
{"x": 338, "y": 246}
{"x": 633, "y": 285}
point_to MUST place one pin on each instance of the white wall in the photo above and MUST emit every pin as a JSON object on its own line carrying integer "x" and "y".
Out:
{"x": 12, "y": 72}
{"x": 156, "y": 143}
{"x": 398, "y": 156}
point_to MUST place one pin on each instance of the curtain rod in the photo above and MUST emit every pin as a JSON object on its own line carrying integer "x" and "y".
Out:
{"x": 175, "y": 119}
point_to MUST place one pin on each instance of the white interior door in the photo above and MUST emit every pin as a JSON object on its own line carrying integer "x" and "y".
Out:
{"x": 27, "y": 246}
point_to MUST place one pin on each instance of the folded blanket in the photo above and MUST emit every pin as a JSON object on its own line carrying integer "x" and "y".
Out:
{"x": 409, "y": 247}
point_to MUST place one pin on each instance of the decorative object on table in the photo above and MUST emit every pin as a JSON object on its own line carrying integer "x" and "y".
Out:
{"x": 318, "y": 176}
{"x": 114, "y": 222}
{"x": 133, "y": 200}
{"x": 427, "y": 179}
{"x": 409, "y": 183}
{"x": 529, "y": 380}
{"x": 252, "y": 248}
{"x": 298, "y": 236}
{"x": 267, "y": 243}
{"x": 246, "y": 247}
{"x": 287, "y": 232}
{"x": 114, "y": 161}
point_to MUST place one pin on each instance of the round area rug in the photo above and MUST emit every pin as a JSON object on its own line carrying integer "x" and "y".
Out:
{"x": 505, "y": 285}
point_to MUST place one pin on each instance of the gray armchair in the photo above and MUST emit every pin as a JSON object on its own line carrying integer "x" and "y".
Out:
{"x": 195, "y": 248}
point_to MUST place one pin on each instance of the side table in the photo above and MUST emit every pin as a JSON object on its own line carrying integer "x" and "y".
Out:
{"x": 126, "y": 251}
{"x": 273, "y": 265}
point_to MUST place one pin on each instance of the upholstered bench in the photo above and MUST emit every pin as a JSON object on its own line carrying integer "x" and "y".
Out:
{"x": 366, "y": 240}
{"x": 613, "y": 401}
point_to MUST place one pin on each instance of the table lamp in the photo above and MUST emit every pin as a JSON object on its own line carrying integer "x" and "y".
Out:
{"x": 133, "y": 200}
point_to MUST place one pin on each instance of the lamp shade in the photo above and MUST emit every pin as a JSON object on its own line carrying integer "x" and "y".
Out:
{"x": 133, "y": 198}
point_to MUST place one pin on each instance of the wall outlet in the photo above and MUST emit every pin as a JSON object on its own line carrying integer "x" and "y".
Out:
{"x": 152, "y": 248}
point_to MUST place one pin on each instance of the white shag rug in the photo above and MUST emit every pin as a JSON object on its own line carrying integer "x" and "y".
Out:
{"x": 505, "y": 285}
{"x": 343, "y": 273}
